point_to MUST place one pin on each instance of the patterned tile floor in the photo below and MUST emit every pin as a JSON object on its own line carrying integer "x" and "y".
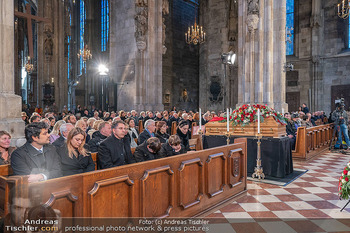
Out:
{"x": 309, "y": 204}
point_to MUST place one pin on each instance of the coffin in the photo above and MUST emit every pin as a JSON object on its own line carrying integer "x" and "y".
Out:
{"x": 268, "y": 128}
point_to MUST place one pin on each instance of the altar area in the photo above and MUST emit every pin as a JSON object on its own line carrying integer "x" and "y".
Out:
{"x": 251, "y": 121}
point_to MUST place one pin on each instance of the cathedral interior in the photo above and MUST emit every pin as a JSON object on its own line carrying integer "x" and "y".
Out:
{"x": 288, "y": 52}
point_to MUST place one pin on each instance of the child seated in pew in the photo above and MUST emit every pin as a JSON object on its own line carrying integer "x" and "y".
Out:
{"x": 172, "y": 147}
{"x": 74, "y": 156}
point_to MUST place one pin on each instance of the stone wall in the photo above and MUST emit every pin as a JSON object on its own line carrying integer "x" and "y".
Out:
{"x": 321, "y": 58}
{"x": 180, "y": 62}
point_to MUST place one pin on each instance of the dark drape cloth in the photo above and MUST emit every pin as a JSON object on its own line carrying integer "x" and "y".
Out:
{"x": 276, "y": 153}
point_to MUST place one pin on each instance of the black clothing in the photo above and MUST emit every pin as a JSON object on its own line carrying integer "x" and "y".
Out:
{"x": 143, "y": 137}
{"x": 114, "y": 152}
{"x": 26, "y": 160}
{"x": 59, "y": 142}
{"x": 185, "y": 139}
{"x": 167, "y": 150}
{"x": 75, "y": 165}
{"x": 163, "y": 138}
{"x": 96, "y": 140}
{"x": 158, "y": 119}
{"x": 306, "y": 110}
{"x": 143, "y": 154}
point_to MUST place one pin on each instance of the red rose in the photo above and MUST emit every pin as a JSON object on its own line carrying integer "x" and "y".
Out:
{"x": 346, "y": 179}
{"x": 345, "y": 172}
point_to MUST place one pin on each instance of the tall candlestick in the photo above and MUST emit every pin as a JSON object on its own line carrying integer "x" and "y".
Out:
{"x": 282, "y": 111}
{"x": 258, "y": 121}
{"x": 228, "y": 120}
{"x": 200, "y": 119}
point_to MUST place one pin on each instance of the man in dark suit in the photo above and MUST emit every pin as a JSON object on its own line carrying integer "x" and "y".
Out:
{"x": 115, "y": 150}
{"x": 150, "y": 128}
{"x": 64, "y": 130}
{"x": 98, "y": 136}
{"x": 37, "y": 158}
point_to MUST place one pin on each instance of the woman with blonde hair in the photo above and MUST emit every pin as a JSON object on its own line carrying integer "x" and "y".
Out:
{"x": 95, "y": 127}
{"x": 55, "y": 133}
{"x": 75, "y": 158}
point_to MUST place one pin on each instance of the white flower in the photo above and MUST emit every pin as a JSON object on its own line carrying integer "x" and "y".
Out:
{"x": 342, "y": 174}
{"x": 343, "y": 181}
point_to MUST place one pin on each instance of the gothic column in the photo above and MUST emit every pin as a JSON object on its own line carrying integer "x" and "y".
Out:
{"x": 316, "y": 23}
{"x": 261, "y": 43}
{"x": 10, "y": 104}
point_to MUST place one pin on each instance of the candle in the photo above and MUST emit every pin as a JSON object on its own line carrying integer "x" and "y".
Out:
{"x": 228, "y": 120}
{"x": 282, "y": 111}
{"x": 200, "y": 119}
{"x": 339, "y": 7}
{"x": 258, "y": 121}
{"x": 230, "y": 111}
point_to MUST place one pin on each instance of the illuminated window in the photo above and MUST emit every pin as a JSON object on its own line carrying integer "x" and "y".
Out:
{"x": 82, "y": 31}
{"x": 104, "y": 24}
{"x": 289, "y": 28}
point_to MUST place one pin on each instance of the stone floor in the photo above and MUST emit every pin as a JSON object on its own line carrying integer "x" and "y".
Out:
{"x": 309, "y": 204}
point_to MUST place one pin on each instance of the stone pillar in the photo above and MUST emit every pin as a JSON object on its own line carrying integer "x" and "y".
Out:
{"x": 316, "y": 24}
{"x": 261, "y": 50}
{"x": 136, "y": 53}
{"x": 10, "y": 104}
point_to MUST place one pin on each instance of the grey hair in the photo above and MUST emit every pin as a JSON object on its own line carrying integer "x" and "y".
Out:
{"x": 63, "y": 127}
{"x": 148, "y": 123}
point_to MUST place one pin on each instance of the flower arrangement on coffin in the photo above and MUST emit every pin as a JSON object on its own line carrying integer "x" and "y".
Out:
{"x": 344, "y": 184}
{"x": 247, "y": 114}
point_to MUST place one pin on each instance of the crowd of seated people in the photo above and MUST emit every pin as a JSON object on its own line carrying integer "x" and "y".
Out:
{"x": 303, "y": 118}
{"x": 61, "y": 144}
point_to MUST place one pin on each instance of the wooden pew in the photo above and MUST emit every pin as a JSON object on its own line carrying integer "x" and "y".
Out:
{"x": 179, "y": 186}
{"x": 173, "y": 127}
{"x": 94, "y": 157}
{"x": 5, "y": 170}
{"x": 311, "y": 141}
{"x": 140, "y": 126}
{"x": 8, "y": 184}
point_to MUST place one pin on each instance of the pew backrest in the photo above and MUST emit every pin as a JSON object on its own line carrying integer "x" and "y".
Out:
{"x": 5, "y": 170}
{"x": 173, "y": 127}
{"x": 183, "y": 185}
{"x": 140, "y": 126}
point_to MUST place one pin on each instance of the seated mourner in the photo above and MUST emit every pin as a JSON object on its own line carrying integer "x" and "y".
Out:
{"x": 37, "y": 158}
{"x": 74, "y": 156}
{"x": 172, "y": 147}
{"x": 5, "y": 148}
{"x": 64, "y": 130}
{"x": 115, "y": 150}
{"x": 161, "y": 131}
{"x": 100, "y": 135}
{"x": 184, "y": 134}
{"x": 148, "y": 150}
{"x": 150, "y": 128}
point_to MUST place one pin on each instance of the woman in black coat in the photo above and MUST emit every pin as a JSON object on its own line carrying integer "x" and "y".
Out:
{"x": 172, "y": 147}
{"x": 75, "y": 158}
{"x": 183, "y": 133}
{"x": 161, "y": 131}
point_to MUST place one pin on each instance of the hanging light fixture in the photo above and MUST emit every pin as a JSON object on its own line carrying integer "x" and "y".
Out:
{"x": 343, "y": 9}
{"x": 85, "y": 54}
{"x": 29, "y": 67}
{"x": 195, "y": 34}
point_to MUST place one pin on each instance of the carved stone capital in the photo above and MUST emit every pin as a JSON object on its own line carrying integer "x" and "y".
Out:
{"x": 141, "y": 45}
{"x": 164, "y": 49}
{"x": 253, "y": 7}
{"x": 316, "y": 21}
{"x": 252, "y": 22}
